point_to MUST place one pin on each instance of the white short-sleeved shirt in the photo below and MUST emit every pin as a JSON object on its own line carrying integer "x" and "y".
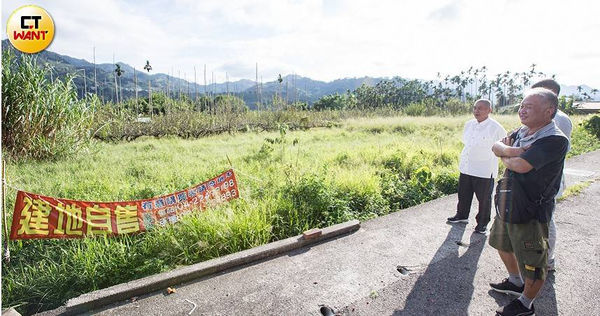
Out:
{"x": 477, "y": 158}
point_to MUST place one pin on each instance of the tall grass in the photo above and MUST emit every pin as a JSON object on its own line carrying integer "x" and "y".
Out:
{"x": 290, "y": 181}
{"x": 41, "y": 117}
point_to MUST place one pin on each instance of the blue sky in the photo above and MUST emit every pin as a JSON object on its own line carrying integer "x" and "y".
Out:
{"x": 331, "y": 39}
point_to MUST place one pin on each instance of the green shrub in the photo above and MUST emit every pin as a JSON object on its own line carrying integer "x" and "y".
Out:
{"x": 446, "y": 181}
{"x": 402, "y": 164}
{"x": 593, "y": 125}
{"x": 583, "y": 141}
{"x": 415, "y": 109}
{"x": 402, "y": 193}
{"x": 309, "y": 202}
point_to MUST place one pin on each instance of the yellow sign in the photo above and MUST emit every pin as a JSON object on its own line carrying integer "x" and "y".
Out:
{"x": 30, "y": 29}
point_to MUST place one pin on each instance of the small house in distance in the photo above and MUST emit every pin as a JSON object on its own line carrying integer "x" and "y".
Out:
{"x": 586, "y": 107}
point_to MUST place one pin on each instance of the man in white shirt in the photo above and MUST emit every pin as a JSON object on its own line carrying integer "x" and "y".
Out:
{"x": 566, "y": 126}
{"x": 478, "y": 165}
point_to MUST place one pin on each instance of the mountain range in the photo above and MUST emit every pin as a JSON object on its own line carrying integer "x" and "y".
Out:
{"x": 292, "y": 87}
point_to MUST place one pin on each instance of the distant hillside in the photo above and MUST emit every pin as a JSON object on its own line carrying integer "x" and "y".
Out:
{"x": 292, "y": 88}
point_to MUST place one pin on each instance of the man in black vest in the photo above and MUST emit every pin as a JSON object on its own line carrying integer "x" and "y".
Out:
{"x": 534, "y": 158}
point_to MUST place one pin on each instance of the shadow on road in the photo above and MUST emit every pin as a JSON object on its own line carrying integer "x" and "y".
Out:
{"x": 446, "y": 287}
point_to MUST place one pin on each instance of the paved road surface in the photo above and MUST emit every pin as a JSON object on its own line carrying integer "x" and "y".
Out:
{"x": 448, "y": 268}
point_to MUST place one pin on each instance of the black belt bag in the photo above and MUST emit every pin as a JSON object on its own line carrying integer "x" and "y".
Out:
{"x": 513, "y": 205}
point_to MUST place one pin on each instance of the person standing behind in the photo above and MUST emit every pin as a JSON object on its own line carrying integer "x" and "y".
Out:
{"x": 478, "y": 165}
{"x": 564, "y": 123}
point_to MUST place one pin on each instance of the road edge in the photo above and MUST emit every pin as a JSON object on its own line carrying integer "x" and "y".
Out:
{"x": 161, "y": 281}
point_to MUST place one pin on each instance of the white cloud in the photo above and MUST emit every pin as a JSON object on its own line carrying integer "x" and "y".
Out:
{"x": 329, "y": 39}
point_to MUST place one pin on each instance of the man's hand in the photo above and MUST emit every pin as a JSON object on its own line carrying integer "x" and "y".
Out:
{"x": 507, "y": 141}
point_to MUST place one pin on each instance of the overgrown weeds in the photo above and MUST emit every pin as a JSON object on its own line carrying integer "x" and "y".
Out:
{"x": 41, "y": 118}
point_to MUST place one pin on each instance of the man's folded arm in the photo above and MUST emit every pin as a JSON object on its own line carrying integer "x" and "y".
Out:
{"x": 517, "y": 164}
{"x": 500, "y": 149}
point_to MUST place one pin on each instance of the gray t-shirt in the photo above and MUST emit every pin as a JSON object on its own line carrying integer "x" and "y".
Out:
{"x": 564, "y": 123}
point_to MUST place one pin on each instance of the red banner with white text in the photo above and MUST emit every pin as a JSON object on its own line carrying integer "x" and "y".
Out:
{"x": 42, "y": 217}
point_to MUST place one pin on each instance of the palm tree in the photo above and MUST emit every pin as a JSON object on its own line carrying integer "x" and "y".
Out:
{"x": 147, "y": 67}
{"x": 119, "y": 72}
{"x": 280, "y": 80}
{"x": 116, "y": 85}
{"x": 586, "y": 96}
{"x": 532, "y": 70}
{"x": 579, "y": 89}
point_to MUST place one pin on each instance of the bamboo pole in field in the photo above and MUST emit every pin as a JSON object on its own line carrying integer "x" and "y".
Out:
{"x": 150, "y": 97}
{"x": 214, "y": 91}
{"x": 286, "y": 91}
{"x": 205, "y": 89}
{"x": 84, "y": 82}
{"x": 121, "y": 88}
{"x": 136, "y": 91}
{"x": 6, "y": 254}
{"x": 116, "y": 86}
{"x": 257, "y": 90}
{"x": 103, "y": 93}
{"x": 95, "y": 79}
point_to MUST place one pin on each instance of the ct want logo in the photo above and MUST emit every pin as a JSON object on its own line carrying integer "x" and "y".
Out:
{"x": 30, "y": 29}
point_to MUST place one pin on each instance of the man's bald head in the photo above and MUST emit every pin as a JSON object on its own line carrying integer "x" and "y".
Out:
{"x": 482, "y": 109}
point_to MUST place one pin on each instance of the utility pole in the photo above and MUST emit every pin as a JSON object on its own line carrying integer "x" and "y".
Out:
{"x": 195, "y": 86}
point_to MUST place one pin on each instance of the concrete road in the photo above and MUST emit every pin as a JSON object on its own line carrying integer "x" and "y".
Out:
{"x": 410, "y": 262}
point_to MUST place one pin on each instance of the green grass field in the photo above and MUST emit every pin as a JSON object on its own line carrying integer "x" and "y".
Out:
{"x": 289, "y": 181}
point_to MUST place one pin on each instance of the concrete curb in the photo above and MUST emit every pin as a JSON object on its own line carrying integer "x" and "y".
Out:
{"x": 161, "y": 281}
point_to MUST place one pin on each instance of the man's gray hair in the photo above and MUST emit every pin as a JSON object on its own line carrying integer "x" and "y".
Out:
{"x": 484, "y": 101}
{"x": 548, "y": 97}
{"x": 549, "y": 84}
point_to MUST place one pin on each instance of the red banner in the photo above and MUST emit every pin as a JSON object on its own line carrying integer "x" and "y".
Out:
{"x": 38, "y": 216}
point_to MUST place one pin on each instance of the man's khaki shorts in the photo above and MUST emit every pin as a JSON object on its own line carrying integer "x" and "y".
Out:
{"x": 529, "y": 243}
